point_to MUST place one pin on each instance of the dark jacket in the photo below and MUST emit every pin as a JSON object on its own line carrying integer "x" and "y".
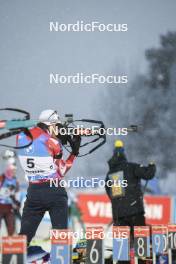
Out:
{"x": 132, "y": 202}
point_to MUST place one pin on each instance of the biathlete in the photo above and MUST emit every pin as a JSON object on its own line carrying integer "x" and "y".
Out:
{"x": 41, "y": 162}
{"x": 9, "y": 188}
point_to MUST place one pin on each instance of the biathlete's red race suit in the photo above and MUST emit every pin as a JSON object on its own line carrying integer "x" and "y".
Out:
{"x": 41, "y": 162}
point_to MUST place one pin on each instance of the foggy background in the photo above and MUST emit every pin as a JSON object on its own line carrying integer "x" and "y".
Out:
{"x": 29, "y": 53}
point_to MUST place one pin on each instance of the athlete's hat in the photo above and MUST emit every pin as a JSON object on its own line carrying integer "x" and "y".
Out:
{"x": 49, "y": 117}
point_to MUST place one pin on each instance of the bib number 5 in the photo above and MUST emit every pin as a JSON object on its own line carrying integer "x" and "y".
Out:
{"x": 30, "y": 163}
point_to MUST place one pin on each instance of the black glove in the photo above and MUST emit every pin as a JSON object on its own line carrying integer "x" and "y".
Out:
{"x": 75, "y": 144}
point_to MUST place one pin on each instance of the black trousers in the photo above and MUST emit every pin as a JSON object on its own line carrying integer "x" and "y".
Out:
{"x": 131, "y": 221}
{"x": 42, "y": 198}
